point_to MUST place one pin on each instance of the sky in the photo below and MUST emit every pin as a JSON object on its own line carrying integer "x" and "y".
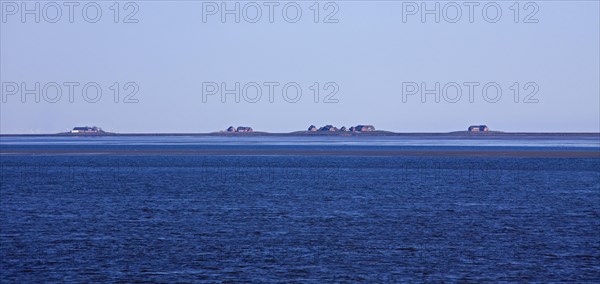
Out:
{"x": 165, "y": 66}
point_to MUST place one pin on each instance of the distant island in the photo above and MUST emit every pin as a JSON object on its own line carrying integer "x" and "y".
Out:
{"x": 312, "y": 128}
{"x": 86, "y": 130}
{"x": 357, "y": 130}
{"x": 473, "y": 131}
{"x": 361, "y": 129}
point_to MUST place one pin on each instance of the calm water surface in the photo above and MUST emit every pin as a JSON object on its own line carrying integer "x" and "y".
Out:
{"x": 90, "y": 218}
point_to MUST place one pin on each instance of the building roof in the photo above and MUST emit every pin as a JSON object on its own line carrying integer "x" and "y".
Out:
{"x": 478, "y": 127}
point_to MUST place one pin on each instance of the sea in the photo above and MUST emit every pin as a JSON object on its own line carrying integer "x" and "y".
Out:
{"x": 323, "y": 209}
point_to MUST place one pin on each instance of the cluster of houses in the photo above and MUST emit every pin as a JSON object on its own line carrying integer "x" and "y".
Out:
{"x": 358, "y": 128}
{"x": 478, "y": 128}
{"x": 312, "y": 128}
{"x": 87, "y": 129}
{"x": 239, "y": 129}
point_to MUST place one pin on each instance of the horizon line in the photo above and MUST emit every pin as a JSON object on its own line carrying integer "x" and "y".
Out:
{"x": 299, "y": 132}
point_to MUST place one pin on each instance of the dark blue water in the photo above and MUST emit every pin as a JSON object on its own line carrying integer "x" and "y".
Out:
{"x": 88, "y": 218}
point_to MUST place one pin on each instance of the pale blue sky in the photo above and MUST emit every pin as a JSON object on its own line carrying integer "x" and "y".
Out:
{"x": 368, "y": 54}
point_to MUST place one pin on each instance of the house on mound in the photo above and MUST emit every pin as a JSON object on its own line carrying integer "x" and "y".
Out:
{"x": 86, "y": 130}
{"x": 328, "y": 128}
{"x": 362, "y": 128}
{"x": 244, "y": 129}
{"x": 478, "y": 128}
{"x": 240, "y": 129}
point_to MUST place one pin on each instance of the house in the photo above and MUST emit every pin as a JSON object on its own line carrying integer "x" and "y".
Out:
{"x": 352, "y": 128}
{"x": 343, "y": 128}
{"x": 87, "y": 129}
{"x": 478, "y": 128}
{"x": 244, "y": 129}
{"x": 328, "y": 128}
{"x": 312, "y": 128}
{"x": 231, "y": 129}
{"x": 363, "y": 128}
